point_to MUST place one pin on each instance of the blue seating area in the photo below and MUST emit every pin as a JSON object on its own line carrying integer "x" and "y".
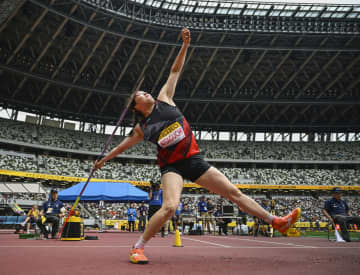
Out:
{"x": 11, "y": 220}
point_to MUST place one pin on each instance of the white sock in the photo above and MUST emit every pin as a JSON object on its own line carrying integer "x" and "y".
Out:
{"x": 269, "y": 219}
{"x": 140, "y": 243}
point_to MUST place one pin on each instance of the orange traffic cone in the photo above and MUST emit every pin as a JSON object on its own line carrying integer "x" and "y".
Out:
{"x": 177, "y": 239}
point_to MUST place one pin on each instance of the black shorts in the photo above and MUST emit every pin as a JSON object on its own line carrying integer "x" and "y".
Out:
{"x": 191, "y": 168}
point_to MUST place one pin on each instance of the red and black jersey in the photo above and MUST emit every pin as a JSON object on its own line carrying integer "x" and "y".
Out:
{"x": 168, "y": 129}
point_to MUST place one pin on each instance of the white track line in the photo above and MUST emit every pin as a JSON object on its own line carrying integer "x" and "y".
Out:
{"x": 258, "y": 241}
{"x": 213, "y": 245}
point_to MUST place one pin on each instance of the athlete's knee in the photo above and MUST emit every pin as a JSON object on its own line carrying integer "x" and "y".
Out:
{"x": 169, "y": 210}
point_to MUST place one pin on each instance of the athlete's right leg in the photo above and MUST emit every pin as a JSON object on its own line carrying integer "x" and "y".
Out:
{"x": 172, "y": 185}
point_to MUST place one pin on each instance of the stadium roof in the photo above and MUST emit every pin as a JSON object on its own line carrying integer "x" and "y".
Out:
{"x": 244, "y": 72}
{"x": 326, "y": 9}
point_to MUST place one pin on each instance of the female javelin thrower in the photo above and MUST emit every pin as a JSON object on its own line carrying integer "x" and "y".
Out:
{"x": 178, "y": 157}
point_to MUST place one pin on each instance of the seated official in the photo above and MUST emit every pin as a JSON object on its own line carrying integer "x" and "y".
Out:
{"x": 31, "y": 218}
{"x": 338, "y": 212}
{"x": 221, "y": 222}
{"x": 260, "y": 224}
{"x": 242, "y": 217}
{"x": 142, "y": 213}
{"x": 52, "y": 210}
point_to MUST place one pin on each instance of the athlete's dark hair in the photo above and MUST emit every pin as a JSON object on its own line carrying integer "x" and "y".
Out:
{"x": 137, "y": 116}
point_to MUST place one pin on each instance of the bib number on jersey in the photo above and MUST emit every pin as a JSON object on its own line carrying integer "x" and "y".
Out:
{"x": 171, "y": 135}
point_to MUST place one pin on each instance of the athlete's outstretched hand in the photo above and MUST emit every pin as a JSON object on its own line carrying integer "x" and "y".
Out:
{"x": 98, "y": 164}
{"x": 186, "y": 35}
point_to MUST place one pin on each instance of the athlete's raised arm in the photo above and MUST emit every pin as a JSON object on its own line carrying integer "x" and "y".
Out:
{"x": 136, "y": 136}
{"x": 167, "y": 91}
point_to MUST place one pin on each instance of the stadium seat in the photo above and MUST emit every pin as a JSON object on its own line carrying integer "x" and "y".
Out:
{"x": 3, "y": 219}
{"x": 11, "y": 220}
{"x": 21, "y": 219}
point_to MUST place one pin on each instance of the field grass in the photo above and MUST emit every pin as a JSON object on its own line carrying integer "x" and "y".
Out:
{"x": 323, "y": 234}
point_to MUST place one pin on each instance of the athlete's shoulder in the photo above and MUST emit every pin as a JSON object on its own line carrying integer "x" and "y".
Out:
{"x": 160, "y": 102}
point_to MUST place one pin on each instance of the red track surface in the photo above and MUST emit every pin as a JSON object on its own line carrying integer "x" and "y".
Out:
{"x": 200, "y": 255}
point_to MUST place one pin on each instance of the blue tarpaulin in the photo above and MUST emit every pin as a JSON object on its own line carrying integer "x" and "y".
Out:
{"x": 105, "y": 191}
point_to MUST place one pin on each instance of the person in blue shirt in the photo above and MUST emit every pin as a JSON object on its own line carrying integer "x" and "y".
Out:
{"x": 52, "y": 210}
{"x": 132, "y": 215}
{"x": 155, "y": 199}
{"x": 203, "y": 210}
{"x": 338, "y": 212}
{"x": 155, "y": 203}
{"x": 176, "y": 218}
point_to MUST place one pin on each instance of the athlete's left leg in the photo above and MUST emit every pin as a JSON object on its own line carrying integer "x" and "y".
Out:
{"x": 215, "y": 181}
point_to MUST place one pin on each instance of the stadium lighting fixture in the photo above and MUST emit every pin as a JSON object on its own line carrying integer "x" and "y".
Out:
{"x": 189, "y": 2}
{"x": 237, "y": 5}
{"x": 286, "y": 13}
{"x": 312, "y": 14}
{"x": 209, "y": 10}
{"x": 353, "y": 15}
{"x": 199, "y": 10}
{"x": 202, "y": 4}
{"x": 225, "y": 5}
{"x": 222, "y": 11}
{"x": 326, "y": 14}
{"x": 338, "y": 15}
{"x": 181, "y": 8}
{"x": 235, "y": 12}
{"x": 249, "y": 12}
{"x": 173, "y": 6}
{"x": 189, "y": 9}
{"x": 260, "y": 12}
{"x": 279, "y": 7}
{"x": 274, "y": 13}
{"x": 156, "y": 4}
{"x": 300, "y": 14}
{"x": 345, "y": 9}
{"x": 265, "y": 7}
{"x": 252, "y": 6}
{"x": 317, "y": 8}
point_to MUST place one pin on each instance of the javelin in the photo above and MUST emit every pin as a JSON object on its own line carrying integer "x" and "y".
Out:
{"x": 101, "y": 156}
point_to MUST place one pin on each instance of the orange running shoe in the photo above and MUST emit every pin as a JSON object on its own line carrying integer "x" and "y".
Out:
{"x": 285, "y": 223}
{"x": 137, "y": 256}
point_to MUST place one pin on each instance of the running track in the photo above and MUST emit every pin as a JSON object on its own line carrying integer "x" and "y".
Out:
{"x": 200, "y": 255}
